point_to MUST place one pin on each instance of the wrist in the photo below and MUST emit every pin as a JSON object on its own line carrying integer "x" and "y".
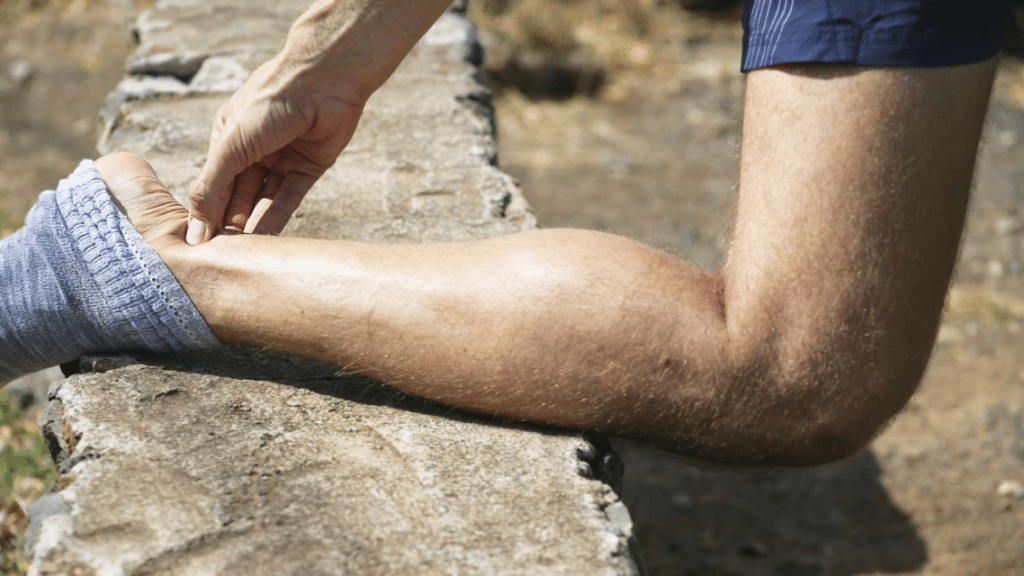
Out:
{"x": 349, "y": 48}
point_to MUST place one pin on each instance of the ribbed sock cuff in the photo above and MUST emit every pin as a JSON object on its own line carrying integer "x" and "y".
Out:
{"x": 129, "y": 273}
{"x": 80, "y": 279}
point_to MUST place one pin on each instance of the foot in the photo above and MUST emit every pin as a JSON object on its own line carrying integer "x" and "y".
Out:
{"x": 89, "y": 272}
{"x": 141, "y": 196}
{"x": 160, "y": 219}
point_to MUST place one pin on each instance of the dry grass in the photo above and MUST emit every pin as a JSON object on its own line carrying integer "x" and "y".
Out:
{"x": 600, "y": 32}
{"x": 12, "y": 11}
{"x": 973, "y": 303}
{"x": 540, "y": 46}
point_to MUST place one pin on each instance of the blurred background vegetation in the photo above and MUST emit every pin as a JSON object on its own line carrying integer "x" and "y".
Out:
{"x": 13, "y": 10}
{"x": 560, "y": 49}
{"x": 26, "y": 472}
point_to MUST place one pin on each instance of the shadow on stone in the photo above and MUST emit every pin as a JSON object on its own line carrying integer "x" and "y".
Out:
{"x": 836, "y": 519}
{"x": 321, "y": 379}
{"x": 543, "y": 78}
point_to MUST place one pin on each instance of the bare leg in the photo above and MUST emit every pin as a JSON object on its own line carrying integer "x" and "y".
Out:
{"x": 853, "y": 190}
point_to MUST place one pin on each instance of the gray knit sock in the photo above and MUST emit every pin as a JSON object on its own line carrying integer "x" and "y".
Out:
{"x": 78, "y": 278}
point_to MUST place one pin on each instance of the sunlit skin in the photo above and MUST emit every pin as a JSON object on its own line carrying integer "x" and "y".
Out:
{"x": 853, "y": 189}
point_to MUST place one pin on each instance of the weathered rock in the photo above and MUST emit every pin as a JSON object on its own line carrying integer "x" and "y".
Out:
{"x": 218, "y": 75}
{"x": 147, "y": 87}
{"x": 420, "y": 167}
{"x": 269, "y": 466}
{"x": 175, "y": 37}
{"x": 252, "y": 463}
{"x": 51, "y": 520}
{"x": 180, "y": 65}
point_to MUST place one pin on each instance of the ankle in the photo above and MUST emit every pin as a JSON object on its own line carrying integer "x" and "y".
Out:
{"x": 200, "y": 272}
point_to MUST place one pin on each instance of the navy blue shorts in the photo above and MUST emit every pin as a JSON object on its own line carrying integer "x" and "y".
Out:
{"x": 873, "y": 32}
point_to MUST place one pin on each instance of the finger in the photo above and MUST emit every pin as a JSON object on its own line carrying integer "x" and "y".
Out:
{"x": 264, "y": 200}
{"x": 198, "y": 227}
{"x": 211, "y": 192}
{"x": 249, "y": 133}
{"x": 248, "y": 185}
{"x": 228, "y": 155}
{"x": 275, "y": 217}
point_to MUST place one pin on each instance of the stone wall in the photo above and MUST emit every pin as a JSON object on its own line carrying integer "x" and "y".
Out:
{"x": 253, "y": 463}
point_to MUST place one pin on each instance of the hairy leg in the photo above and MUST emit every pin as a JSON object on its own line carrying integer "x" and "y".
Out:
{"x": 854, "y": 185}
{"x": 853, "y": 190}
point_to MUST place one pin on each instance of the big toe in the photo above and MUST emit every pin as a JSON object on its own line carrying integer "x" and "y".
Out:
{"x": 141, "y": 196}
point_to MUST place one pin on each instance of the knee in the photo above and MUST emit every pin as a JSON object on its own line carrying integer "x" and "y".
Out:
{"x": 827, "y": 405}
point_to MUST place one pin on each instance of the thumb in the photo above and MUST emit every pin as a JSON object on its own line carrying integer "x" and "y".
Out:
{"x": 211, "y": 192}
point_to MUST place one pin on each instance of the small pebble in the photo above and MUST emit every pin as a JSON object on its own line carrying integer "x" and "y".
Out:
{"x": 995, "y": 269}
{"x": 1006, "y": 138}
{"x": 20, "y": 71}
{"x": 1007, "y": 226}
{"x": 1011, "y": 489}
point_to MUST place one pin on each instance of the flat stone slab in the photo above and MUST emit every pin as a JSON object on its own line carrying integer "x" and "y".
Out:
{"x": 175, "y": 37}
{"x": 253, "y": 463}
{"x": 268, "y": 465}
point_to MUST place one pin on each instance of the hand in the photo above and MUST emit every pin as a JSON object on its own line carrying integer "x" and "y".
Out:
{"x": 292, "y": 118}
{"x": 269, "y": 144}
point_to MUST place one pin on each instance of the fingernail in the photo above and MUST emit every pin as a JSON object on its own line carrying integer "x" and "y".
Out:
{"x": 196, "y": 232}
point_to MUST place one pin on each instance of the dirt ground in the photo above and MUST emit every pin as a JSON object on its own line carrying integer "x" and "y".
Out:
{"x": 645, "y": 146}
